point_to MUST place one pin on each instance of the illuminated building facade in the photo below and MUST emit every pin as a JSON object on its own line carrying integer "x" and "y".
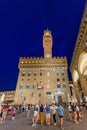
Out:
{"x": 78, "y": 65}
{"x": 42, "y": 79}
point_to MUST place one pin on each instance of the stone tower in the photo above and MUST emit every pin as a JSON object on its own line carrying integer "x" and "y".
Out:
{"x": 47, "y": 44}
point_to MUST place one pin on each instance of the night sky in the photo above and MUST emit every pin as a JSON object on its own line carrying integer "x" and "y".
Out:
{"x": 22, "y": 23}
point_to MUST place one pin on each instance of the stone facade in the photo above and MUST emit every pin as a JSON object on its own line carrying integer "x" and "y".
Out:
{"x": 42, "y": 79}
{"x": 78, "y": 65}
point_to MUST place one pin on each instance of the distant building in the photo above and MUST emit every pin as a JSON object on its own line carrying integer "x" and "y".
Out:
{"x": 78, "y": 65}
{"x": 9, "y": 96}
{"x": 42, "y": 80}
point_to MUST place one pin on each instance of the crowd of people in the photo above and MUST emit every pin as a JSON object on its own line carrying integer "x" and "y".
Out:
{"x": 45, "y": 114}
{"x": 5, "y": 111}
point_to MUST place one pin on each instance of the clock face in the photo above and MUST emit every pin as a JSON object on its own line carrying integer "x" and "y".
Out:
{"x": 47, "y": 56}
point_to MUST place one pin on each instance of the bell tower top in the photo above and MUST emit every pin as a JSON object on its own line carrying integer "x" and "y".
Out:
{"x": 47, "y": 32}
{"x": 47, "y": 44}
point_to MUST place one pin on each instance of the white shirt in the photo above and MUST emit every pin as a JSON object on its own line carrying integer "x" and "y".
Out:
{"x": 35, "y": 113}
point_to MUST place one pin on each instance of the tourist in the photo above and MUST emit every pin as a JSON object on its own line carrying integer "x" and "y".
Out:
{"x": 28, "y": 111}
{"x": 13, "y": 113}
{"x": 60, "y": 110}
{"x": 70, "y": 111}
{"x": 37, "y": 106}
{"x": 78, "y": 112}
{"x": 4, "y": 113}
{"x": 74, "y": 113}
{"x": 53, "y": 111}
{"x": 41, "y": 114}
{"x": 35, "y": 117}
{"x": 47, "y": 112}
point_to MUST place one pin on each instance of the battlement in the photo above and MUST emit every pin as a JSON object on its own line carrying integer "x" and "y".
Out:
{"x": 39, "y": 61}
{"x": 28, "y": 58}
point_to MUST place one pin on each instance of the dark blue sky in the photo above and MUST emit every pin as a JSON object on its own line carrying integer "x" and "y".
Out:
{"x": 22, "y": 23}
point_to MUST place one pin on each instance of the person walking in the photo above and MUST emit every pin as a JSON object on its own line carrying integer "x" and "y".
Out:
{"x": 13, "y": 113}
{"x": 4, "y": 113}
{"x": 53, "y": 111}
{"x": 60, "y": 110}
{"x": 35, "y": 117}
{"x": 47, "y": 112}
{"x": 28, "y": 111}
{"x": 74, "y": 113}
{"x": 70, "y": 111}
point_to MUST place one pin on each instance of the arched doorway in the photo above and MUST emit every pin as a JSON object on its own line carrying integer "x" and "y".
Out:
{"x": 59, "y": 99}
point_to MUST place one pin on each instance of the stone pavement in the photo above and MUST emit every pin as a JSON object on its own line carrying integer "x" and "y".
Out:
{"x": 21, "y": 123}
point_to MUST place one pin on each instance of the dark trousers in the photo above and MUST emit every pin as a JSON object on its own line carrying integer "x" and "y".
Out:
{"x": 54, "y": 118}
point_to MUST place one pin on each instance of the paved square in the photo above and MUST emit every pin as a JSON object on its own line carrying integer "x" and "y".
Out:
{"x": 22, "y": 123}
